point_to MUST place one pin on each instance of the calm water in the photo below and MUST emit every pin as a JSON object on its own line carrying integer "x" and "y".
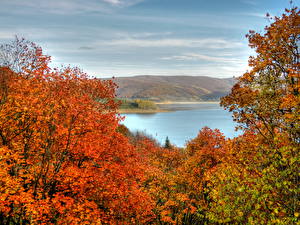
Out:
{"x": 183, "y": 124}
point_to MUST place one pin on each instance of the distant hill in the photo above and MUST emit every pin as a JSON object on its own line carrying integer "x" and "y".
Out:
{"x": 173, "y": 88}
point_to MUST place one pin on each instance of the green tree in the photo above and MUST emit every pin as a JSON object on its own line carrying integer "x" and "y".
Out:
{"x": 167, "y": 143}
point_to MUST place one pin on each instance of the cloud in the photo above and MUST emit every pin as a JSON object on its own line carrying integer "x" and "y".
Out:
{"x": 122, "y": 3}
{"x": 28, "y": 33}
{"x": 68, "y": 6}
{"x": 85, "y": 48}
{"x": 197, "y": 57}
{"x": 6, "y": 35}
{"x": 205, "y": 43}
{"x": 250, "y": 2}
{"x": 198, "y": 70}
{"x": 254, "y": 14}
{"x": 140, "y": 35}
{"x": 113, "y": 2}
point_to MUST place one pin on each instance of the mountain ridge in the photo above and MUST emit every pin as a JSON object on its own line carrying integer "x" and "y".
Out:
{"x": 173, "y": 88}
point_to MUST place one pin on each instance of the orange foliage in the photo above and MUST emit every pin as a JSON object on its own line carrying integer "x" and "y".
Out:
{"x": 62, "y": 160}
{"x": 259, "y": 183}
{"x": 204, "y": 154}
{"x": 267, "y": 97}
{"x": 178, "y": 178}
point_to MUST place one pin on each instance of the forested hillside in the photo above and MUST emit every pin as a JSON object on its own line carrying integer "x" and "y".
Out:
{"x": 173, "y": 88}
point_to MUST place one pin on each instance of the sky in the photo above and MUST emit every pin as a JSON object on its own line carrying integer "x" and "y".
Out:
{"x": 109, "y": 38}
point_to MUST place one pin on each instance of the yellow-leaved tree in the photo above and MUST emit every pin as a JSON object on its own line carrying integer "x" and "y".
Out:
{"x": 259, "y": 182}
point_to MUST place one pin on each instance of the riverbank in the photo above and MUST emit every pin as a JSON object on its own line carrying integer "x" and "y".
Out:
{"x": 183, "y": 106}
{"x": 178, "y": 103}
{"x": 166, "y": 107}
{"x": 142, "y": 111}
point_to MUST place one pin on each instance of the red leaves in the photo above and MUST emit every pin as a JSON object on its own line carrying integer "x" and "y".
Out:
{"x": 67, "y": 163}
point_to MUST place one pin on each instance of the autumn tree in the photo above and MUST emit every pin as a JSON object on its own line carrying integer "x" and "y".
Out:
{"x": 62, "y": 159}
{"x": 160, "y": 170}
{"x": 259, "y": 182}
{"x": 188, "y": 201}
{"x": 267, "y": 97}
{"x": 23, "y": 56}
{"x": 177, "y": 178}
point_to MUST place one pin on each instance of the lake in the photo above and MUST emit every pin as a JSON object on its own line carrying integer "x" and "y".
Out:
{"x": 183, "y": 124}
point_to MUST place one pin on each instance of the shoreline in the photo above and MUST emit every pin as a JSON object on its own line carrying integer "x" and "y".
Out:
{"x": 183, "y": 103}
{"x": 142, "y": 111}
{"x": 164, "y": 107}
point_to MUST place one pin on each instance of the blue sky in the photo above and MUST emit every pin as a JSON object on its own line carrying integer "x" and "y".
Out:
{"x": 141, "y": 37}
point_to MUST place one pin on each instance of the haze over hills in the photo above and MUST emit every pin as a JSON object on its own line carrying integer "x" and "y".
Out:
{"x": 173, "y": 88}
